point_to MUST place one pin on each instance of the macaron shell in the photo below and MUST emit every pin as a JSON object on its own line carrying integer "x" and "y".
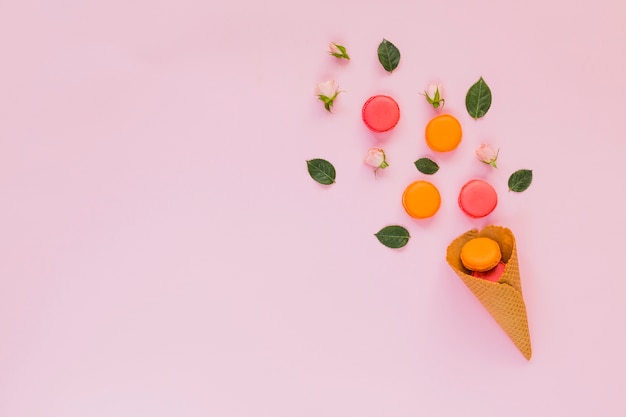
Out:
{"x": 480, "y": 254}
{"x": 380, "y": 113}
{"x": 478, "y": 198}
{"x": 421, "y": 199}
{"x": 443, "y": 133}
{"x": 492, "y": 275}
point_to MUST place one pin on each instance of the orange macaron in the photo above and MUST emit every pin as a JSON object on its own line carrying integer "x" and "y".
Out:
{"x": 481, "y": 254}
{"x": 421, "y": 199}
{"x": 443, "y": 133}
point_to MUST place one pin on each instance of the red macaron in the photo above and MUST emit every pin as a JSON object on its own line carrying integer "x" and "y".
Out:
{"x": 478, "y": 198}
{"x": 493, "y": 274}
{"x": 380, "y": 113}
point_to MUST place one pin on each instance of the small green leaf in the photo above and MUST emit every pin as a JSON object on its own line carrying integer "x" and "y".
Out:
{"x": 321, "y": 171}
{"x": 478, "y": 99}
{"x": 393, "y": 236}
{"x": 426, "y": 166}
{"x": 520, "y": 180}
{"x": 388, "y": 55}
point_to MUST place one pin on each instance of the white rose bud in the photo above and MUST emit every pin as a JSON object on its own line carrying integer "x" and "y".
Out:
{"x": 338, "y": 51}
{"x": 434, "y": 95}
{"x": 327, "y": 92}
{"x": 487, "y": 154}
{"x": 376, "y": 158}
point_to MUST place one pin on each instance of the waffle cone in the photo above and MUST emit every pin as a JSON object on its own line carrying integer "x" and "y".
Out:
{"x": 502, "y": 299}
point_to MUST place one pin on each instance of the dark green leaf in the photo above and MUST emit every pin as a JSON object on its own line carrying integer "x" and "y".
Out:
{"x": 520, "y": 180}
{"x": 321, "y": 171}
{"x": 478, "y": 99}
{"x": 388, "y": 55}
{"x": 426, "y": 166}
{"x": 393, "y": 236}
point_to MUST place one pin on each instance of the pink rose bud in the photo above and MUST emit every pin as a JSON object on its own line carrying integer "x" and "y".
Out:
{"x": 487, "y": 154}
{"x": 338, "y": 51}
{"x": 434, "y": 95}
{"x": 327, "y": 92}
{"x": 376, "y": 158}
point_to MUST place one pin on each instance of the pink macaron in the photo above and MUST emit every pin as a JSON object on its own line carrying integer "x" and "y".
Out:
{"x": 478, "y": 198}
{"x": 380, "y": 113}
{"x": 493, "y": 274}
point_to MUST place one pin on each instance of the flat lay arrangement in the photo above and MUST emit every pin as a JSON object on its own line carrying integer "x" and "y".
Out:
{"x": 486, "y": 260}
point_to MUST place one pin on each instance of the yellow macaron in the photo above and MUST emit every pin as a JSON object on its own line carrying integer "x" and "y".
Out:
{"x": 480, "y": 254}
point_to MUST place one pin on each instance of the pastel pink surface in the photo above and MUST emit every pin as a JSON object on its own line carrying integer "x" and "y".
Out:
{"x": 477, "y": 198}
{"x": 381, "y": 113}
{"x": 164, "y": 252}
{"x": 492, "y": 275}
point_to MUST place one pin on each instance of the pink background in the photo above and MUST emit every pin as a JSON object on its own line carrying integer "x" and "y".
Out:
{"x": 163, "y": 251}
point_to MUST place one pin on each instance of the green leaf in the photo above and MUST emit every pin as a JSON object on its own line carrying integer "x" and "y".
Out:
{"x": 426, "y": 166}
{"x": 321, "y": 171}
{"x": 393, "y": 236}
{"x": 520, "y": 180}
{"x": 478, "y": 99}
{"x": 388, "y": 55}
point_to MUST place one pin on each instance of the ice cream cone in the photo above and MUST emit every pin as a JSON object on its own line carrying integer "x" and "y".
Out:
{"x": 503, "y": 299}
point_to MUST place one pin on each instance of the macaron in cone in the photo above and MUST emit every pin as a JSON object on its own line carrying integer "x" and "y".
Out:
{"x": 502, "y": 299}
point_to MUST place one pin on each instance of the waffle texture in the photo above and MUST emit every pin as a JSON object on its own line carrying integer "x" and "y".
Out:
{"x": 502, "y": 299}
